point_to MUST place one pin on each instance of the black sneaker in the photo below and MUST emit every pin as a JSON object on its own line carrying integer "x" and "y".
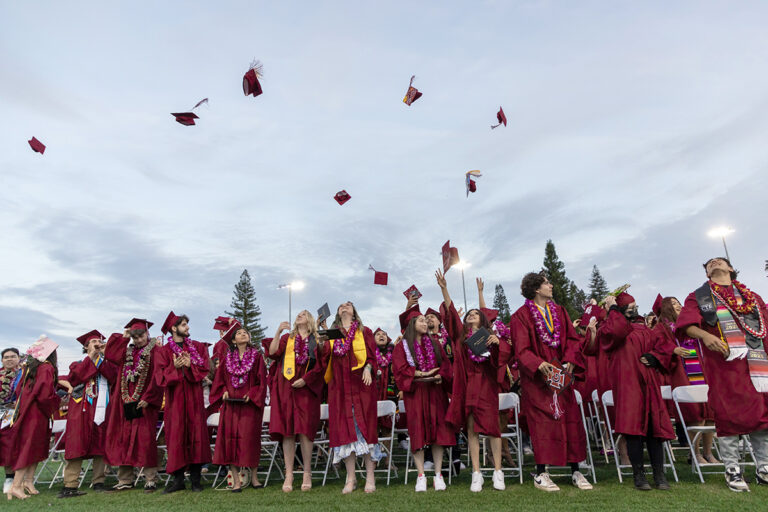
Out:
{"x": 150, "y": 487}
{"x": 762, "y": 474}
{"x": 99, "y": 487}
{"x": 70, "y": 492}
{"x": 735, "y": 479}
{"x": 177, "y": 484}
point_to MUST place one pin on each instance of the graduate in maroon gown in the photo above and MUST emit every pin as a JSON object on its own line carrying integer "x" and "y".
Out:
{"x": 241, "y": 385}
{"x": 30, "y": 431}
{"x": 543, "y": 334}
{"x": 476, "y": 385}
{"x": 638, "y": 355}
{"x": 297, "y": 392}
{"x": 222, "y": 325}
{"x": 92, "y": 378}
{"x": 424, "y": 375}
{"x": 685, "y": 370}
{"x": 352, "y": 393}
{"x": 730, "y": 321}
{"x": 131, "y": 439}
{"x": 10, "y": 376}
{"x": 183, "y": 363}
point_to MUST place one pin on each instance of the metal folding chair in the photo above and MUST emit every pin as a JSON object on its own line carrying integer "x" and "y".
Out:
{"x": 589, "y": 462}
{"x": 514, "y": 436}
{"x": 408, "y": 469}
{"x": 601, "y": 426}
{"x": 57, "y": 432}
{"x": 268, "y": 446}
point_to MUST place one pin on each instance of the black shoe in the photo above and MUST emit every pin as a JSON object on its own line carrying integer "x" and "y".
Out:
{"x": 638, "y": 472}
{"x": 98, "y": 487}
{"x": 659, "y": 478}
{"x": 177, "y": 484}
{"x": 194, "y": 477}
{"x": 239, "y": 489}
{"x": 70, "y": 492}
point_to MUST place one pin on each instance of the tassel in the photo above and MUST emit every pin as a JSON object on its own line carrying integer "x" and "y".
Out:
{"x": 204, "y": 100}
{"x": 761, "y": 384}
{"x": 257, "y": 67}
{"x": 413, "y": 77}
{"x": 494, "y": 126}
{"x": 557, "y": 412}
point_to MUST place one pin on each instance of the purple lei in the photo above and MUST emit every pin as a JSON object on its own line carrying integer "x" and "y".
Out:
{"x": 301, "y": 349}
{"x": 472, "y": 356}
{"x": 194, "y": 355}
{"x": 425, "y": 353}
{"x": 442, "y": 336}
{"x": 385, "y": 359}
{"x": 238, "y": 368}
{"x": 550, "y": 339}
{"x": 340, "y": 348}
{"x": 503, "y": 331}
{"x": 687, "y": 343}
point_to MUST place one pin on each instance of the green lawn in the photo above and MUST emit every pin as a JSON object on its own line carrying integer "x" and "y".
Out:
{"x": 608, "y": 494}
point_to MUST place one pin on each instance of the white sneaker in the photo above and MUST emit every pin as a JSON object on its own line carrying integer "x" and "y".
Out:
{"x": 580, "y": 481}
{"x": 477, "y": 482}
{"x": 545, "y": 483}
{"x": 439, "y": 483}
{"x": 429, "y": 465}
{"x": 735, "y": 480}
{"x": 7, "y": 485}
{"x": 462, "y": 466}
{"x": 498, "y": 480}
{"x": 762, "y": 474}
{"x": 421, "y": 483}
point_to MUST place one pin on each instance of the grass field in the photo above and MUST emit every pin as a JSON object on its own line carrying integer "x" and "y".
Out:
{"x": 608, "y": 494}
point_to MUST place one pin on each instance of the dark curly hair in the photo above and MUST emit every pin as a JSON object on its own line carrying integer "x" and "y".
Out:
{"x": 532, "y": 281}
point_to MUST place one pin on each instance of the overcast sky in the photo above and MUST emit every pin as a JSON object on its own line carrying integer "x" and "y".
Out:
{"x": 634, "y": 127}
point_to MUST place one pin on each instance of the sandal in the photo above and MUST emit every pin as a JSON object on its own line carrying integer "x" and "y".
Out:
{"x": 349, "y": 487}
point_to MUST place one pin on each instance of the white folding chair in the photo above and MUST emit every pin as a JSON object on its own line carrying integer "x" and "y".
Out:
{"x": 386, "y": 409}
{"x": 601, "y": 426}
{"x": 163, "y": 447}
{"x": 588, "y": 461}
{"x": 57, "y": 431}
{"x": 213, "y": 422}
{"x": 514, "y": 436}
{"x": 268, "y": 446}
{"x": 323, "y": 448}
{"x": 608, "y": 402}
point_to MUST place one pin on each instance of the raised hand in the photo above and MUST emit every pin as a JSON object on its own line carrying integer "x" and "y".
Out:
{"x": 440, "y": 277}
{"x": 480, "y": 284}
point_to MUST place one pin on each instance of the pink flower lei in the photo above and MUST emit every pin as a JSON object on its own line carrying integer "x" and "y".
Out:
{"x": 385, "y": 359}
{"x": 425, "y": 353}
{"x": 237, "y": 368}
{"x": 550, "y": 339}
{"x": 340, "y": 348}
{"x": 194, "y": 355}
{"x": 301, "y": 349}
{"x": 503, "y": 331}
{"x": 442, "y": 336}
{"x": 472, "y": 356}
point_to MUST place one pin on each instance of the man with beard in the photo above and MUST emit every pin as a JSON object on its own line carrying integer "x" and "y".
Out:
{"x": 184, "y": 363}
{"x": 729, "y": 320}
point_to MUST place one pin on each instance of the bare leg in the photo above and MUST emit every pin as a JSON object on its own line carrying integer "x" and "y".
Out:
{"x": 708, "y": 440}
{"x": 370, "y": 479}
{"x": 349, "y": 486}
{"x": 289, "y": 452}
{"x": 17, "y": 489}
{"x": 306, "y": 456}
{"x": 437, "y": 458}
{"x": 621, "y": 446}
{"x": 236, "y": 483}
{"x": 418, "y": 459}
{"x": 473, "y": 440}
{"x": 496, "y": 450}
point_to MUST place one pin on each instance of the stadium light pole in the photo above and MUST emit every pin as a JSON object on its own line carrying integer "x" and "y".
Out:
{"x": 295, "y": 285}
{"x": 462, "y": 265}
{"x": 721, "y": 232}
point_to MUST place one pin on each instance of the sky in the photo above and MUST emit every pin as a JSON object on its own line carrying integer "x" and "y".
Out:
{"x": 634, "y": 128}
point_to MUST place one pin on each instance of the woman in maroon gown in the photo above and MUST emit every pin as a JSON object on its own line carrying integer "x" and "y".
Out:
{"x": 241, "y": 385}
{"x": 476, "y": 385}
{"x": 296, "y": 393}
{"x": 424, "y": 375}
{"x": 37, "y": 400}
{"x": 352, "y": 408}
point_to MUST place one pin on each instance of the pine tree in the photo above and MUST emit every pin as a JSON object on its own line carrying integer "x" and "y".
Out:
{"x": 244, "y": 308}
{"x": 578, "y": 299}
{"x": 561, "y": 285}
{"x": 598, "y": 288}
{"x": 501, "y": 305}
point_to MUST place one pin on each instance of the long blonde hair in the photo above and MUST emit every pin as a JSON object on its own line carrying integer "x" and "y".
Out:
{"x": 311, "y": 325}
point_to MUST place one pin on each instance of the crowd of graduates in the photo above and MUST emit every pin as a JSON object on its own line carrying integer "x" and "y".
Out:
{"x": 447, "y": 367}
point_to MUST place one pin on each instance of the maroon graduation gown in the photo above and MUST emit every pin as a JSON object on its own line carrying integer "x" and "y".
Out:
{"x": 476, "y": 386}
{"x": 134, "y": 442}
{"x": 738, "y": 407}
{"x": 186, "y": 432}
{"x": 426, "y": 404}
{"x": 639, "y": 408}
{"x": 296, "y": 410}
{"x": 555, "y": 441}
{"x": 346, "y": 392}
{"x": 83, "y": 438}
{"x": 238, "y": 439}
{"x": 30, "y": 435}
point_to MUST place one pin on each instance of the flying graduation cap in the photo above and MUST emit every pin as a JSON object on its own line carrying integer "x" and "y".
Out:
{"x": 36, "y": 145}
{"x": 471, "y": 185}
{"x": 501, "y": 118}
{"x": 188, "y": 118}
{"x": 450, "y": 256}
{"x": 251, "y": 85}
{"x": 342, "y": 197}
{"x": 379, "y": 277}
{"x": 412, "y": 94}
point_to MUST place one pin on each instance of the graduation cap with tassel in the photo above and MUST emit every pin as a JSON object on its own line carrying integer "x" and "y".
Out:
{"x": 188, "y": 118}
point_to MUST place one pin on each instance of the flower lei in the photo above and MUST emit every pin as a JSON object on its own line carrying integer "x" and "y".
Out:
{"x": 550, "y": 339}
{"x": 385, "y": 359}
{"x": 687, "y": 342}
{"x": 442, "y": 336}
{"x": 729, "y": 298}
{"x": 301, "y": 349}
{"x": 238, "y": 368}
{"x": 472, "y": 356}
{"x": 194, "y": 355}
{"x": 503, "y": 332}
{"x": 341, "y": 349}
{"x": 425, "y": 353}
{"x": 6, "y": 383}
{"x": 133, "y": 369}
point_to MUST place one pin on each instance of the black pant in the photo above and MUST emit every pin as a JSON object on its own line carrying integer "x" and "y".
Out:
{"x": 635, "y": 449}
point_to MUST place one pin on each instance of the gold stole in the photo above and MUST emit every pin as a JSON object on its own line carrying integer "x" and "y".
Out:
{"x": 358, "y": 346}
{"x": 289, "y": 361}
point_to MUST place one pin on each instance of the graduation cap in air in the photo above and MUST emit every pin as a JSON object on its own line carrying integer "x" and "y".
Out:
{"x": 342, "y": 197}
{"x": 221, "y": 323}
{"x": 657, "y": 305}
{"x": 188, "y": 118}
{"x": 251, "y": 85}
{"x": 471, "y": 185}
{"x": 85, "y": 338}
{"x": 36, "y": 145}
{"x": 412, "y": 94}
{"x": 501, "y": 118}
{"x": 450, "y": 256}
{"x": 379, "y": 277}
